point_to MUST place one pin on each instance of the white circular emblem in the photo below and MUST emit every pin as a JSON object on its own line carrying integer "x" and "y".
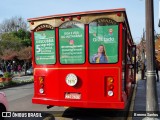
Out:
{"x": 71, "y": 79}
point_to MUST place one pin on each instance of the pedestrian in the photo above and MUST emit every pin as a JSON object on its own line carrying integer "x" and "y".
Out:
{"x": 157, "y": 70}
{"x": 9, "y": 68}
{"x": 137, "y": 65}
{"x": 19, "y": 68}
{"x": 0, "y": 67}
{"x": 14, "y": 69}
{"x": 157, "y": 74}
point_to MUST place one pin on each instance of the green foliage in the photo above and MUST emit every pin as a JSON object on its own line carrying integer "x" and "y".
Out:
{"x": 24, "y": 37}
{"x": 15, "y": 32}
{"x": 9, "y": 41}
{"x": 7, "y": 75}
{"x": 14, "y": 37}
{"x": 20, "y": 34}
{"x": 26, "y": 42}
{"x": 9, "y": 36}
{"x": 14, "y": 41}
{"x": 2, "y": 84}
{"x": 9, "y": 83}
{"x": 12, "y": 82}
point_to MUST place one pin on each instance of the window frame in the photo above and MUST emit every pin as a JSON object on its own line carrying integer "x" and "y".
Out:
{"x": 54, "y": 47}
{"x": 84, "y": 36}
{"x": 118, "y": 32}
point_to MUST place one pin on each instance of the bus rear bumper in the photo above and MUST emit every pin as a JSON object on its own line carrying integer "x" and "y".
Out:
{"x": 80, "y": 104}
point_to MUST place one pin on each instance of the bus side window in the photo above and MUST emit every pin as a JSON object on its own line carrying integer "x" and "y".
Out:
{"x": 133, "y": 54}
{"x": 128, "y": 59}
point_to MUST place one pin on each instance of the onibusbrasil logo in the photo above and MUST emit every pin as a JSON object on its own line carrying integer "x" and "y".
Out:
{"x": 22, "y": 114}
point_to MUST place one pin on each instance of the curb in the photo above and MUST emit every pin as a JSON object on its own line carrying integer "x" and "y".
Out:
{"x": 15, "y": 85}
{"x": 132, "y": 101}
{"x": 133, "y": 97}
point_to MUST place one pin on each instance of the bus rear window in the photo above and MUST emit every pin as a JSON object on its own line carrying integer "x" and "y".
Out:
{"x": 103, "y": 43}
{"x": 44, "y": 42}
{"x": 71, "y": 43}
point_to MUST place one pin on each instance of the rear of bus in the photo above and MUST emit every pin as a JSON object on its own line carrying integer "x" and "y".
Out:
{"x": 68, "y": 67}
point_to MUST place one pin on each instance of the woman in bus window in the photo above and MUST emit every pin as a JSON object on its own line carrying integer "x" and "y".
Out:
{"x": 100, "y": 56}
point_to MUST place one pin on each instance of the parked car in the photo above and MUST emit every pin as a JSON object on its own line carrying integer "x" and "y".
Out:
{"x": 3, "y": 104}
{"x": 1, "y": 73}
{"x": 30, "y": 71}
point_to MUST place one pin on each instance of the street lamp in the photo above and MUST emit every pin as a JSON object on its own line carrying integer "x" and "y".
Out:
{"x": 151, "y": 88}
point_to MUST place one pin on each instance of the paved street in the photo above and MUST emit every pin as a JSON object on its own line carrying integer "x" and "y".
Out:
{"x": 19, "y": 99}
{"x": 17, "y": 95}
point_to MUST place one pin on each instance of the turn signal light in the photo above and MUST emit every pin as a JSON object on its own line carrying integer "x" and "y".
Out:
{"x": 110, "y": 79}
{"x": 41, "y": 82}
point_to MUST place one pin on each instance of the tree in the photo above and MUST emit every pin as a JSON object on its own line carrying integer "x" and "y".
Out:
{"x": 15, "y": 41}
{"x": 8, "y": 55}
{"x": 24, "y": 36}
{"x": 9, "y": 41}
{"x": 26, "y": 55}
{"x": 13, "y": 24}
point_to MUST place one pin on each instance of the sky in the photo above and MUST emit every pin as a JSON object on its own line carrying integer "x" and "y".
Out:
{"x": 135, "y": 10}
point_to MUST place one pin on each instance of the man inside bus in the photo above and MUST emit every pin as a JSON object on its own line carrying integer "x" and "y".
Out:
{"x": 100, "y": 56}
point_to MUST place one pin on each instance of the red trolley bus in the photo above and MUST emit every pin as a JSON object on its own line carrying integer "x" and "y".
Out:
{"x": 83, "y": 59}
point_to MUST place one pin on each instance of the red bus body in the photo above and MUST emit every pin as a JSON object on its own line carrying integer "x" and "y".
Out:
{"x": 91, "y": 90}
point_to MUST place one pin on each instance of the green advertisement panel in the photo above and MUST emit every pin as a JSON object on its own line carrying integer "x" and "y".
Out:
{"x": 71, "y": 41}
{"x": 45, "y": 47}
{"x": 103, "y": 44}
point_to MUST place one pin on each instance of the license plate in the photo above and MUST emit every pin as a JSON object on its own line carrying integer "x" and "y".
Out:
{"x": 73, "y": 96}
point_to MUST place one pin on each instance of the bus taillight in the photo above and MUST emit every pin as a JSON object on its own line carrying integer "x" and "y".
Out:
{"x": 41, "y": 84}
{"x": 110, "y": 81}
{"x": 111, "y": 87}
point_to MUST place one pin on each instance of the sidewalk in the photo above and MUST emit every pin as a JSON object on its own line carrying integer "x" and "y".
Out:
{"x": 22, "y": 78}
{"x": 17, "y": 74}
{"x": 17, "y": 80}
{"x": 140, "y": 99}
